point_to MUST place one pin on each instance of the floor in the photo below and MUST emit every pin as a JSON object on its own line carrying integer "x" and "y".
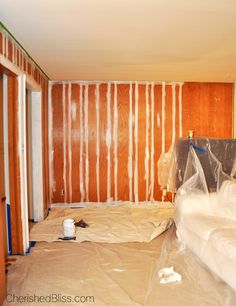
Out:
{"x": 114, "y": 274}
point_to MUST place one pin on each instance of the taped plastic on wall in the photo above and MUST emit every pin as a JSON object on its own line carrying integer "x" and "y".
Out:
{"x": 215, "y": 158}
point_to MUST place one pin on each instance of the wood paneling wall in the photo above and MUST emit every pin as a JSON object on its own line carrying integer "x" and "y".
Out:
{"x": 105, "y": 138}
{"x": 13, "y": 56}
{"x": 14, "y": 52}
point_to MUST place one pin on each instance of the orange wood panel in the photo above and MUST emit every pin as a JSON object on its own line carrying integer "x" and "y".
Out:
{"x": 5, "y": 43}
{"x": 10, "y": 50}
{"x": 58, "y": 142}
{"x": 66, "y": 160}
{"x": 177, "y": 127}
{"x": 112, "y": 180}
{"x": 123, "y": 141}
{"x": 92, "y": 143}
{"x": 157, "y": 137}
{"x": 207, "y": 109}
{"x": 133, "y": 142}
{"x": 168, "y": 118}
{"x": 75, "y": 142}
{"x": 141, "y": 143}
{"x": 1, "y": 42}
{"x": 17, "y": 57}
{"x": 24, "y": 65}
{"x": 28, "y": 68}
{"x": 103, "y": 146}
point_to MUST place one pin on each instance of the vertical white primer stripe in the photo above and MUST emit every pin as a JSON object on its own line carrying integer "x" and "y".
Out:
{"x": 64, "y": 140}
{"x": 152, "y": 141}
{"x": 163, "y": 102}
{"x": 50, "y": 140}
{"x": 115, "y": 130}
{"x": 69, "y": 142}
{"x": 98, "y": 140}
{"x": 108, "y": 141}
{"x": 130, "y": 158}
{"x": 136, "y": 143}
{"x": 86, "y": 127}
{"x": 180, "y": 111}
{"x": 173, "y": 112}
{"x": 146, "y": 163}
{"x": 81, "y": 162}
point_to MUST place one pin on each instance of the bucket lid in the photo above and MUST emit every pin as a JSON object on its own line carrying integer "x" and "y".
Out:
{"x": 69, "y": 221}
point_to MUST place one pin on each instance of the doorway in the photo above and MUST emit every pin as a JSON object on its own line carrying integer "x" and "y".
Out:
{"x": 17, "y": 92}
{"x": 34, "y": 155}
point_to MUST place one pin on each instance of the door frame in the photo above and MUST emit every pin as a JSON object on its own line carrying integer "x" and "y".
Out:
{"x": 17, "y": 83}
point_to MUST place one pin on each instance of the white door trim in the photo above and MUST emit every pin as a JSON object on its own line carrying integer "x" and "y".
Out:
{"x": 22, "y": 158}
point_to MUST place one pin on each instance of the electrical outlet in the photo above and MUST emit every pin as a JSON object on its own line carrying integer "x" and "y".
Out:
{"x": 163, "y": 195}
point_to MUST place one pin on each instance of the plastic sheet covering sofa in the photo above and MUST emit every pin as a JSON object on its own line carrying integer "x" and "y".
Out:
{"x": 205, "y": 220}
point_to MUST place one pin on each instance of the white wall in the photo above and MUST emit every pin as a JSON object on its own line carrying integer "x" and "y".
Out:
{"x": 36, "y": 154}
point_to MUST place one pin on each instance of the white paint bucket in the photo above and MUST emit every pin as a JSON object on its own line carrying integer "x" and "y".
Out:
{"x": 69, "y": 227}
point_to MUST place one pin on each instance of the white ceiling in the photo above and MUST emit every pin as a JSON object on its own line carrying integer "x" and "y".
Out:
{"x": 172, "y": 40}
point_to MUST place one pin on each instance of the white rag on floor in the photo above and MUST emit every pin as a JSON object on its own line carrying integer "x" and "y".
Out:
{"x": 168, "y": 275}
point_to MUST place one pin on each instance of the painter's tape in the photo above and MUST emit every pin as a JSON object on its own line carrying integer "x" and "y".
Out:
{"x": 199, "y": 149}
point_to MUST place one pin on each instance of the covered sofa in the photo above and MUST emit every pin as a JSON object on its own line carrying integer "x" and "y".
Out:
{"x": 206, "y": 223}
{"x": 206, "y": 217}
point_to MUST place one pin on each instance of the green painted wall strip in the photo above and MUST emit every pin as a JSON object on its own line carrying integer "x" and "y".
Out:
{"x": 19, "y": 44}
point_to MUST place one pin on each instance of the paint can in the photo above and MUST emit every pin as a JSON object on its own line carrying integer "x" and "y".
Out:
{"x": 69, "y": 228}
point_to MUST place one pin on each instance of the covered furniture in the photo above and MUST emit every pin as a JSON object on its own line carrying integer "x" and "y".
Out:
{"x": 206, "y": 219}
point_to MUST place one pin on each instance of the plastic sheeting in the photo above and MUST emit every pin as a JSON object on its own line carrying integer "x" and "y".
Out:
{"x": 113, "y": 224}
{"x": 115, "y": 275}
{"x": 205, "y": 212}
{"x": 199, "y": 286}
{"x": 211, "y": 160}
